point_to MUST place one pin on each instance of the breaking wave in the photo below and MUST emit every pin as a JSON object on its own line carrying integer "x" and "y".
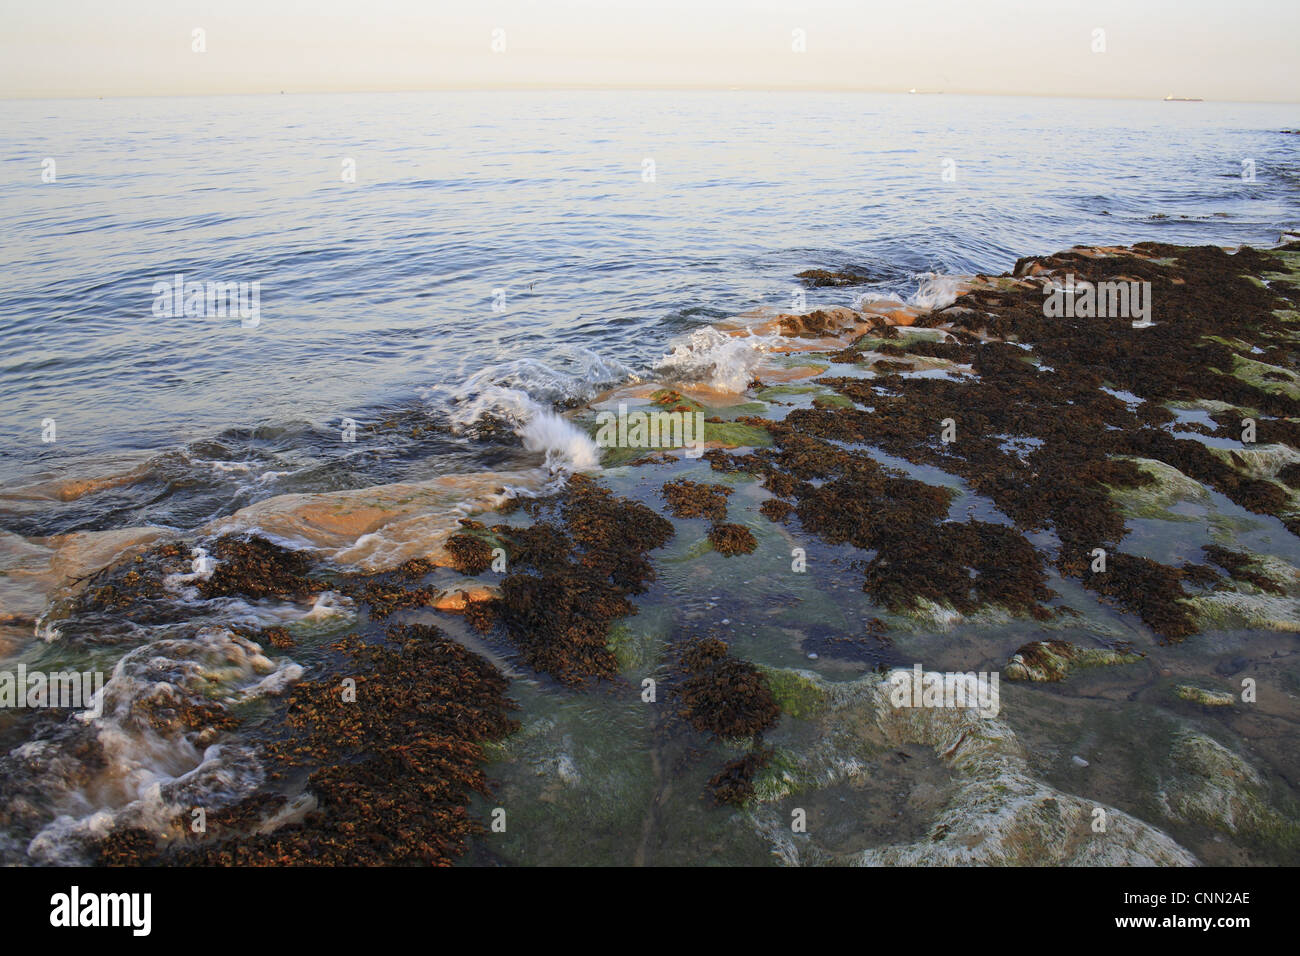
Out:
{"x": 524, "y": 394}
{"x": 713, "y": 359}
{"x": 934, "y": 291}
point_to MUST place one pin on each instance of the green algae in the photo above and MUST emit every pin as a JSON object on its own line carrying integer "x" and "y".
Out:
{"x": 769, "y": 392}
{"x": 797, "y": 693}
{"x": 783, "y": 776}
{"x": 736, "y": 435}
{"x": 1268, "y": 378}
{"x": 1207, "y": 698}
{"x": 1168, "y": 486}
{"x": 637, "y": 643}
{"x": 1209, "y": 784}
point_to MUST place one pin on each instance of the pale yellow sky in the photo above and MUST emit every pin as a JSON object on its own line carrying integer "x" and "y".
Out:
{"x": 1239, "y": 50}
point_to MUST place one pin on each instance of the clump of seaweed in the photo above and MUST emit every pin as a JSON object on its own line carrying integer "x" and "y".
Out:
{"x": 723, "y": 695}
{"x": 133, "y": 589}
{"x": 277, "y": 637}
{"x": 820, "y": 278}
{"x": 691, "y": 499}
{"x": 256, "y": 568}
{"x": 732, "y": 539}
{"x": 469, "y": 553}
{"x": 734, "y": 784}
{"x": 571, "y": 577}
{"x": 774, "y": 509}
{"x": 383, "y": 595}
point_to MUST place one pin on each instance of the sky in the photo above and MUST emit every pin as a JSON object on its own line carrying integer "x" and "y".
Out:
{"x": 1223, "y": 50}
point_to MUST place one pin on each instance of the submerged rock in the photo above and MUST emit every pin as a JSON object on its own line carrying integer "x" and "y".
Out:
{"x": 998, "y": 812}
{"x": 1209, "y": 698}
{"x": 379, "y": 527}
{"x": 1053, "y": 660}
{"x": 33, "y": 571}
{"x": 1206, "y": 783}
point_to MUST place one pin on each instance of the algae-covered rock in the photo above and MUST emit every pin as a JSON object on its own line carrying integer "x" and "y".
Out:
{"x": 995, "y": 812}
{"x": 1208, "y": 698}
{"x": 1053, "y": 660}
{"x": 1168, "y": 486}
{"x": 798, "y": 693}
{"x": 1207, "y": 783}
{"x": 638, "y": 642}
{"x": 1263, "y": 593}
{"x": 1228, "y": 609}
{"x": 1258, "y": 461}
{"x": 1268, "y": 378}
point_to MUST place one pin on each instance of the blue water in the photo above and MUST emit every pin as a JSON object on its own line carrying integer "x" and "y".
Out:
{"x": 374, "y": 291}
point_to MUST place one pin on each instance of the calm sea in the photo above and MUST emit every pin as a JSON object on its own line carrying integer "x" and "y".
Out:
{"x": 402, "y": 243}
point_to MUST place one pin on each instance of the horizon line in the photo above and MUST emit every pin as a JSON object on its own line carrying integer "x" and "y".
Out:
{"x": 614, "y": 87}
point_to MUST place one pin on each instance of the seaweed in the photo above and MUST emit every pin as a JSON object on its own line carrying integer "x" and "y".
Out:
{"x": 733, "y": 785}
{"x": 571, "y": 579}
{"x": 722, "y": 695}
{"x": 732, "y": 539}
{"x": 392, "y": 770}
{"x": 690, "y": 499}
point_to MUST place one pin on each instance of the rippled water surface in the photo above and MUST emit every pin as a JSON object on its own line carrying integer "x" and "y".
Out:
{"x": 379, "y": 292}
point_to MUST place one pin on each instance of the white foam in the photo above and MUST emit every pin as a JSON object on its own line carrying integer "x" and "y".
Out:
{"x": 523, "y": 393}
{"x": 149, "y": 775}
{"x": 714, "y": 359}
{"x": 933, "y": 291}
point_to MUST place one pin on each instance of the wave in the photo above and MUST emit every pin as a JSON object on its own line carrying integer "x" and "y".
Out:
{"x": 715, "y": 360}
{"x": 523, "y": 393}
{"x": 934, "y": 291}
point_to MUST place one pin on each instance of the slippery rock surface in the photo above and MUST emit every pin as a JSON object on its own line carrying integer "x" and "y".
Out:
{"x": 997, "y": 811}
{"x": 1053, "y": 660}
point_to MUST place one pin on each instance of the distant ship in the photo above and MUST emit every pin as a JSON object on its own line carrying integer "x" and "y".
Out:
{"x": 1183, "y": 99}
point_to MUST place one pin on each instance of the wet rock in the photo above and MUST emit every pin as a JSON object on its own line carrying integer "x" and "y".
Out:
{"x": 1168, "y": 486}
{"x": 457, "y": 600}
{"x": 998, "y": 813}
{"x": 379, "y": 527}
{"x": 1053, "y": 660}
{"x": 822, "y": 278}
{"x": 1206, "y": 783}
{"x": 35, "y": 571}
{"x": 1206, "y": 698}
